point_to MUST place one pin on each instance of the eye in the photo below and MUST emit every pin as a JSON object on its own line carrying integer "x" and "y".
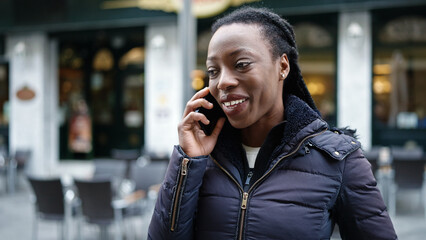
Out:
{"x": 212, "y": 73}
{"x": 241, "y": 65}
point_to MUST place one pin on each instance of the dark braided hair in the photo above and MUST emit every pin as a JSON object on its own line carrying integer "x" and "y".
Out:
{"x": 279, "y": 33}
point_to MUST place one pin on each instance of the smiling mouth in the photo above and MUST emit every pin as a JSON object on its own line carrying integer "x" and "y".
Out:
{"x": 234, "y": 103}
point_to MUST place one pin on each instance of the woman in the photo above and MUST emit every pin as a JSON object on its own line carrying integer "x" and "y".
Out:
{"x": 272, "y": 169}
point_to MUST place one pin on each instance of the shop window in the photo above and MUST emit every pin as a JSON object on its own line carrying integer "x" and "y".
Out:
{"x": 4, "y": 95}
{"x": 399, "y": 102}
{"x": 4, "y": 107}
{"x": 317, "y": 60}
{"x": 105, "y": 70}
{"x": 132, "y": 104}
{"x": 75, "y": 123}
{"x": 135, "y": 56}
{"x": 103, "y": 60}
{"x": 316, "y": 40}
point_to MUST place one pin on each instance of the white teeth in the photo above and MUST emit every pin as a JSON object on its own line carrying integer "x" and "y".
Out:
{"x": 232, "y": 103}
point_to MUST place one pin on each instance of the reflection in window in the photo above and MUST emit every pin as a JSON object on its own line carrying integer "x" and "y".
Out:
{"x": 133, "y": 100}
{"x": 74, "y": 126}
{"x": 317, "y": 51}
{"x": 103, "y": 97}
{"x": 71, "y": 80}
{"x": 4, "y": 95}
{"x": 103, "y": 60}
{"x": 135, "y": 56}
{"x": 399, "y": 69}
{"x": 318, "y": 65}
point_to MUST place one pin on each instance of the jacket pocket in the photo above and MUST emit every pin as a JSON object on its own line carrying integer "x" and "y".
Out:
{"x": 177, "y": 196}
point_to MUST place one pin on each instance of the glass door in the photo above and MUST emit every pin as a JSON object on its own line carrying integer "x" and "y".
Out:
{"x": 4, "y": 107}
{"x": 101, "y": 92}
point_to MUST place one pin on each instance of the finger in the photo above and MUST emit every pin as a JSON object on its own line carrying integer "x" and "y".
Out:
{"x": 193, "y": 105}
{"x": 218, "y": 127}
{"x": 193, "y": 118}
{"x": 202, "y": 93}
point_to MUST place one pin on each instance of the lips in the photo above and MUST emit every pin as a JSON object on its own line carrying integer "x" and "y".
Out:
{"x": 233, "y": 104}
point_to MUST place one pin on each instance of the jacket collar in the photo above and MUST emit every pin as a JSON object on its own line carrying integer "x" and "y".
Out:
{"x": 300, "y": 122}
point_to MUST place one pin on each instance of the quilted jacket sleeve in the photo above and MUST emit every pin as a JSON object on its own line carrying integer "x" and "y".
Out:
{"x": 177, "y": 199}
{"x": 360, "y": 210}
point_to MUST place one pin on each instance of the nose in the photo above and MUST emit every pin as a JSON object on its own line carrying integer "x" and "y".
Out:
{"x": 227, "y": 80}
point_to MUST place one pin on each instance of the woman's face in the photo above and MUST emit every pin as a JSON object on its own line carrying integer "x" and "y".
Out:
{"x": 244, "y": 77}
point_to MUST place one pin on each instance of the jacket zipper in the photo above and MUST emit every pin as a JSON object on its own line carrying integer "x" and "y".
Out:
{"x": 178, "y": 195}
{"x": 244, "y": 203}
{"x": 245, "y": 194}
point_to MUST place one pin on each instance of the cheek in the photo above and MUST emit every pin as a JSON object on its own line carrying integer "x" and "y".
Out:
{"x": 213, "y": 89}
{"x": 268, "y": 94}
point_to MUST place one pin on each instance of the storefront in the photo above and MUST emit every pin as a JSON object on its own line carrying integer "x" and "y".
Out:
{"x": 108, "y": 76}
{"x": 340, "y": 54}
{"x": 101, "y": 91}
{"x": 399, "y": 83}
{"x": 4, "y": 104}
{"x": 85, "y": 68}
{"x": 317, "y": 43}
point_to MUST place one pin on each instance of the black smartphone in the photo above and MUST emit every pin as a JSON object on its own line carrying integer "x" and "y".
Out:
{"x": 211, "y": 114}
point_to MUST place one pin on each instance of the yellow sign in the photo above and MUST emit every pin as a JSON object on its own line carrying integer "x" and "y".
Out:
{"x": 200, "y": 8}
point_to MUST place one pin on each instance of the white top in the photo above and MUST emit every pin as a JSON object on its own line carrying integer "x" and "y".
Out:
{"x": 251, "y": 154}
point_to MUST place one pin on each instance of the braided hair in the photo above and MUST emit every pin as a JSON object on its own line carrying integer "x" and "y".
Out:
{"x": 279, "y": 33}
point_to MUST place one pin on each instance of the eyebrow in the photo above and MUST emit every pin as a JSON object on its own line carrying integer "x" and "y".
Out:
{"x": 233, "y": 53}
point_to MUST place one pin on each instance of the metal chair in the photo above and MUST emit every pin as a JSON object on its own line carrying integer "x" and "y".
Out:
{"x": 147, "y": 176}
{"x": 372, "y": 156}
{"x": 16, "y": 165}
{"x": 99, "y": 206}
{"x": 53, "y": 203}
{"x": 128, "y": 155}
{"x": 110, "y": 169}
{"x": 147, "y": 173}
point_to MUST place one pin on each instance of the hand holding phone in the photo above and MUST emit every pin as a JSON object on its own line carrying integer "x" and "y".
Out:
{"x": 212, "y": 115}
{"x": 193, "y": 141}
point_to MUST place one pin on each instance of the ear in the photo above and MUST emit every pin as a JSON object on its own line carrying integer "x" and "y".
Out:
{"x": 284, "y": 66}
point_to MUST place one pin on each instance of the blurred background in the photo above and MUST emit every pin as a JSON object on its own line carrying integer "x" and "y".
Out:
{"x": 93, "y": 91}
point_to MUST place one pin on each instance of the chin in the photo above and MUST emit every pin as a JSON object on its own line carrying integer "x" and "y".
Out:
{"x": 239, "y": 124}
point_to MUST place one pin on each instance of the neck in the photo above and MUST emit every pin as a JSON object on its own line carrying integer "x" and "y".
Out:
{"x": 255, "y": 135}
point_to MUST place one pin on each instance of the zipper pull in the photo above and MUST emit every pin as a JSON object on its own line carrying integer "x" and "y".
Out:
{"x": 184, "y": 169}
{"x": 244, "y": 202}
{"x": 249, "y": 175}
{"x": 247, "y": 183}
{"x": 307, "y": 146}
{"x": 307, "y": 151}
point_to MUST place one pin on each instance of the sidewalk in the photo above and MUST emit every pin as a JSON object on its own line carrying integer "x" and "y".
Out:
{"x": 17, "y": 219}
{"x": 17, "y": 215}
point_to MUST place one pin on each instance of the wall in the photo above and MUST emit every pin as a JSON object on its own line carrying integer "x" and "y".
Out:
{"x": 33, "y": 122}
{"x": 354, "y": 74}
{"x": 163, "y": 89}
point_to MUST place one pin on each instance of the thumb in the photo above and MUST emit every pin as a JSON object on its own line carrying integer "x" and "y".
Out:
{"x": 218, "y": 127}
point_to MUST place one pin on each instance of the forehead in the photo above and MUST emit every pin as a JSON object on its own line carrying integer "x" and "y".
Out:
{"x": 237, "y": 35}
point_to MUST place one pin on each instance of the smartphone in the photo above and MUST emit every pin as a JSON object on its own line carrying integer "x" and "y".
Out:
{"x": 211, "y": 114}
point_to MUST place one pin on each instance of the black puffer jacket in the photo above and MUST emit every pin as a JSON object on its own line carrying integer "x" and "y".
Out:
{"x": 306, "y": 179}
